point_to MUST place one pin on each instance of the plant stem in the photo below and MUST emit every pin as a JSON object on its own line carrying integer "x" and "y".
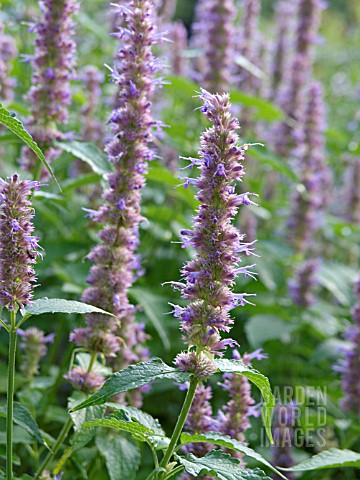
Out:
{"x": 181, "y": 421}
{"x": 10, "y": 397}
{"x": 60, "y": 440}
{"x": 64, "y": 432}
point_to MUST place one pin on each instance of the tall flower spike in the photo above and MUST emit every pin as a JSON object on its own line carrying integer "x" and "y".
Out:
{"x": 291, "y": 95}
{"x": 179, "y": 38}
{"x": 209, "y": 276}
{"x": 284, "y": 14}
{"x": 34, "y": 348}
{"x": 93, "y": 130}
{"x": 308, "y": 206}
{"x": 18, "y": 245}
{"x": 8, "y": 51}
{"x": 115, "y": 263}
{"x": 219, "y": 46}
{"x": 249, "y": 45}
{"x": 351, "y": 191}
{"x": 350, "y": 367}
{"x": 283, "y": 433}
{"x": 233, "y": 419}
{"x": 53, "y": 64}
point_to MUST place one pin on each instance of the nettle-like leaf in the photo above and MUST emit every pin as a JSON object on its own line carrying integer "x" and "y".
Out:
{"x": 227, "y": 442}
{"x": 122, "y": 455}
{"x": 237, "y": 366}
{"x": 60, "y": 305}
{"x": 134, "y": 376}
{"x": 13, "y": 124}
{"x": 332, "y": 458}
{"x": 23, "y": 418}
{"x": 88, "y": 153}
{"x": 221, "y": 465}
{"x": 139, "y": 416}
{"x": 121, "y": 421}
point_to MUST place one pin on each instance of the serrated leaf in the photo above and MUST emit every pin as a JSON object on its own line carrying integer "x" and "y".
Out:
{"x": 88, "y": 153}
{"x": 237, "y": 366}
{"x": 134, "y": 376}
{"x": 221, "y": 465}
{"x": 60, "y": 305}
{"x": 332, "y": 458}
{"x": 17, "y": 127}
{"x": 136, "y": 430}
{"x": 23, "y": 418}
{"x": 227, "y": 442}
{"x": 122, "y": 455}
{"x": 139, "y": 416}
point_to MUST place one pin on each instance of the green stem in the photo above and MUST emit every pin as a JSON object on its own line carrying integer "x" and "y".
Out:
{"x": 64, "y": 432}
{"x": 60, "y": 440}
{"x": 181, "y": 421}
{"x": 10, "y": 397}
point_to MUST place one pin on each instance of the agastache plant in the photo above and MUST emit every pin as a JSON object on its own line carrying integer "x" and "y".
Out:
{"x": 291, "y": 95}
{"x": 248, "y": 44}
{"x": 93, "y": 130}
{"x": 116, "y": 266}
{"x": 209, "y": 276}
{"x": 306, "y": 217}
{"x": 8, "y": 51}
{"x": 219, "y": 47}
{"x": 350, "y": 366}
{"x": 53, "y": 67}
{"x": 18, "y": 252}
{"x": 33, "y": 346}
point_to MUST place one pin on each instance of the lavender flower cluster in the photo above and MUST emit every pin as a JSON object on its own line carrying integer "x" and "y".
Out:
{"x": 309, "y": 205}
{"x": 8, "y": 51}
{"x": 33, "y": 346}
{"x": 18, "y": 246}
{"x": 209, "y": 276}
{"x": 350, "y": 366}
{"x": 53, "y": 65}
{"x": 116, "y": 266}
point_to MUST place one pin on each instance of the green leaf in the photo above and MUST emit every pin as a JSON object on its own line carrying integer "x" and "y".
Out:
{"x": 150, "y": 304}
{"x": 121, "y": 421}
{"x": 122, "y": 455}
{"x": 88, "y": 153}
{"x": 139, "y": 416}
{"x": 338, "y": 279}
{"x": 13, "y": 124}
{"x": 261, "y": 328}
{"x": 332, "y": 458}
{"x": 23, "y": 418}
{"x": 220, "y": 464}
{"x": 276, "y": 163}
{"x": 227, "y": 442}
{"x": 60, "y": 305}
{"x": 131, "y": 377}
{"x": 265, "y": 109}
{"x": 236, "y": 366}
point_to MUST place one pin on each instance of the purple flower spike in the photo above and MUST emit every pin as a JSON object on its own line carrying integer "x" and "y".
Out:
{"x": 291, "y": 95}
{"x": 219, "y": 45}
{"x": 53, "y": 65}
{"x": 209, "y": 276}
{"x": 283, "y": 433}
{"x": 34, "y": 348}
{"x": 233, "y": 419}
{"x": 249, "y": 41}
{"x": 93, "y": 130}
{"x": 8, "y": 51}
{"x": 116, "y": 266}
{"x": 18, "y": 247}
{"x": 179, "y": 39}
{"x": 350, "y": 370}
